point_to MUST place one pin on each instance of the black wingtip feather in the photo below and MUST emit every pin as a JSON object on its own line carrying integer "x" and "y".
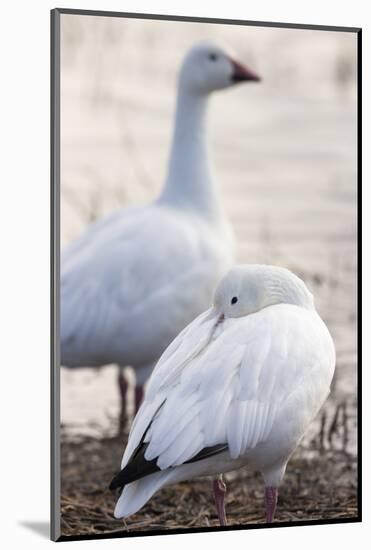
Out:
{"x": 139, "y": 467}
{"x": 136, "y": 469}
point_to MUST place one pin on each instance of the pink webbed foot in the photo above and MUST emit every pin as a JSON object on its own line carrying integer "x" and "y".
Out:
{"x": 270, "y": 497}
{"x": 219, "y": 488}
{"x": 123, "y": 388}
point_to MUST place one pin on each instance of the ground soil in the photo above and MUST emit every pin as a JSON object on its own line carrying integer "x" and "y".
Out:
{"x": 318, "y": 485}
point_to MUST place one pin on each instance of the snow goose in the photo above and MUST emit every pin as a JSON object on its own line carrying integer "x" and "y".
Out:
{"x": 238, "y": 387}
{"x": 136, "y": 278}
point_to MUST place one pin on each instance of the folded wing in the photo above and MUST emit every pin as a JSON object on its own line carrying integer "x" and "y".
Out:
{"x": 226, "y": 395}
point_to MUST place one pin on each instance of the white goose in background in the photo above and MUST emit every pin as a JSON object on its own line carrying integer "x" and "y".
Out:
{"x": 238, "y": 387}
{"x": 136, "y": 278}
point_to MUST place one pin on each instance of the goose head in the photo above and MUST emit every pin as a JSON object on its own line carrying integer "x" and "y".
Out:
{"x": 207, "y": 68}
{"x": 247, "y": 289}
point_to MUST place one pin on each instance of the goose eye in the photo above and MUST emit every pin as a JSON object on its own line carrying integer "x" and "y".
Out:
{"x": 234, "y": 300}
{"x": 213, "y": 57}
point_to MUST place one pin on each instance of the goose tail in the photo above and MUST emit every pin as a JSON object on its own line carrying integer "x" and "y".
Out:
{"x": 137, "y": 493}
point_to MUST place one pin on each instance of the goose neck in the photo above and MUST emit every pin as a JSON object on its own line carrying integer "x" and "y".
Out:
{"x": 189, "y": 183}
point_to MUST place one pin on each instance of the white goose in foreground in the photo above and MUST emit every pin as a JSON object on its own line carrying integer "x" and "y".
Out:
{"x": 136, "y": 278}
{"x": 238, "y": 387}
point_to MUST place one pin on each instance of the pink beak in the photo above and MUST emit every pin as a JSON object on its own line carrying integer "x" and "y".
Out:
{"x": 242, "y": 73}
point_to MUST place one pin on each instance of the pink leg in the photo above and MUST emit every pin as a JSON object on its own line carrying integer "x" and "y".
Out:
{"x": 270, "y": 497}
{"x": 123, "y": 387}
{"x": 139, "y": 394}
{"x": 220, "y": 489}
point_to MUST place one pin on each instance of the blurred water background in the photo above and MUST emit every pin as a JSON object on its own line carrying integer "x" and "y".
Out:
{"x": 285, "y": 158}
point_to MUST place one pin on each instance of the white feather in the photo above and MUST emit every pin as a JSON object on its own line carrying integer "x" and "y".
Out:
{"x": 231, "y": 400}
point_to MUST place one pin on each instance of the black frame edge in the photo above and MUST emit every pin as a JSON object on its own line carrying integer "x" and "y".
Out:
{"x": 195, "y": 19}
{"x": 359, "y": 269}
{"x": 55, "y": 492}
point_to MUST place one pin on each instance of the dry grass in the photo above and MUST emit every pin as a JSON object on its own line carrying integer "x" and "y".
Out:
{"x": 320, "y": 487}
